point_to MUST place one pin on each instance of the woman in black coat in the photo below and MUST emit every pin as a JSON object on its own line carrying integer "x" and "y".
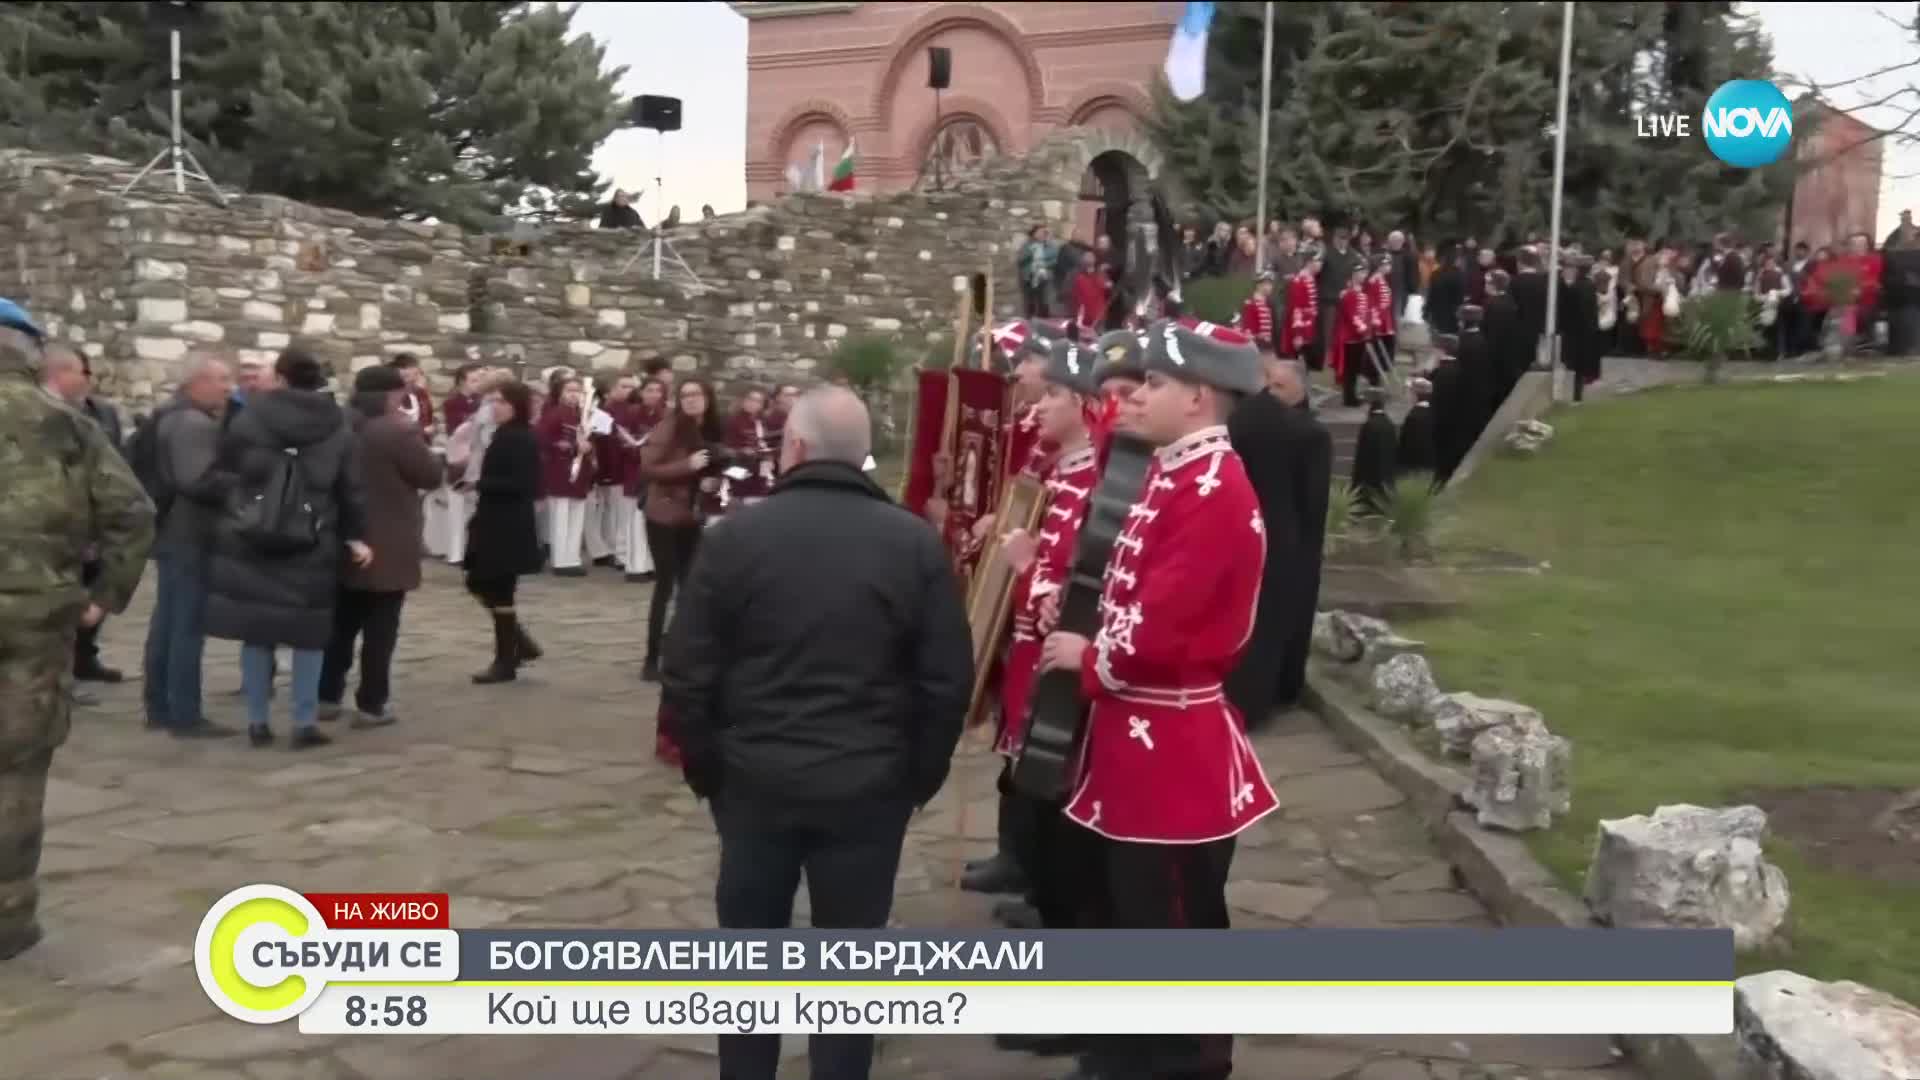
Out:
{"x": 502, "y": 543}
{"x": 284, "y": 596}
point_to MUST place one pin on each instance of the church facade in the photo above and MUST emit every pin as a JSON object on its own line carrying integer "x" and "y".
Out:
{"x": 823, "y": 74}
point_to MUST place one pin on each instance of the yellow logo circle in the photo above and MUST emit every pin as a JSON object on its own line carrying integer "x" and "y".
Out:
{"x": 249, "y": 915}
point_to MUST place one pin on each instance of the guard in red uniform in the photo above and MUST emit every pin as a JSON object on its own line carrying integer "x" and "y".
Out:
{"x": 1030, "y": 345}
{"x": 1167, "y": 778}
{"x": 561, "y": 433}
{"x": 1352, "y": 334}
{"x": 1380, "y": 309}
{"x": 1300, "y": 338}
{"x": 1121, "y": 371}
{"x": 1256, "y": 315}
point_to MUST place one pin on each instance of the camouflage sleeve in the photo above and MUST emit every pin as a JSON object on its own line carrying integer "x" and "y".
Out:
{"x": 123, "y": 522}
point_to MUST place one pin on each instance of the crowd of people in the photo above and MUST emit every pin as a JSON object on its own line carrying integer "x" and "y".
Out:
{"x": 503, "y": 479}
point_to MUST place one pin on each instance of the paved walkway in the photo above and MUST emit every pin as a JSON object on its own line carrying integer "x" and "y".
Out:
{"x": 539, "y": 804}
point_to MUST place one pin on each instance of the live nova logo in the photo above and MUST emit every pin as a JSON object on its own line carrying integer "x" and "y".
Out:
{"x": 1746, "y": 123}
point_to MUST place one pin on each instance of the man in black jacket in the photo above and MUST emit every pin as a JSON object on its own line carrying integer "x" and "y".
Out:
{"x": 821, "y": 667}
{"x": 65, "y": 373}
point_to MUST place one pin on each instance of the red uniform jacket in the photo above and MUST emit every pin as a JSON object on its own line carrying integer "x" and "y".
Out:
{"x": 638, "y": 420}
{"x": 458, "y": 409}
{"x": 1069, "y": 486}
{"x": 1352, "y": 325}
{"x": 1380, "y": 305}
{"x": 747, "y": 438}
{"x": 422, "y": 404}
{"x": 1166, "y": 758}
{"x": 1256, "y": 318}
{"x": 1303, "y": 315}
{"x": 1027, "y": 452}
{"x": 558, "y": 431}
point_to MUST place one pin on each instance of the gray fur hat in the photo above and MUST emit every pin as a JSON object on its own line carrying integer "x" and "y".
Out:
{"x": 1072, "y": 365}
{"x": 1205, "y": 353}
{"x": 1123, "y": 354}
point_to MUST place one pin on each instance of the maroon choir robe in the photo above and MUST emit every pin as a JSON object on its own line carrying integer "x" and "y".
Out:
{"x": 1166, "y": 758}
{"x": 747, "y": 438}
{"x": 558, "y": 431}
{"x": 608, "y": 452}
{"x": 421, "y": 405}
{"x": 1069, "y": 486}
{"x": 459, "y": 408}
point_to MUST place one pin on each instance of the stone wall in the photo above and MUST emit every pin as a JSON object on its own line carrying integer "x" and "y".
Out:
{"x": 141, "y": 280}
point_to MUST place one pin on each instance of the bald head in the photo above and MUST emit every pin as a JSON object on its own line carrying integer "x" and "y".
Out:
{"x": 827, "y": 424}
{"x": 64, "y": 373}
{"x": 209, "y": 383}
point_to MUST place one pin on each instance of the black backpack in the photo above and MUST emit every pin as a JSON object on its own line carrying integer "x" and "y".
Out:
{"x": 277, "y": 517}
{"x": 143, "y": 454}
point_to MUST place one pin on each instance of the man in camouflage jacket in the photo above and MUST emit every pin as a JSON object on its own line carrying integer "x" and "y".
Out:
{"x": 68, "y": 492}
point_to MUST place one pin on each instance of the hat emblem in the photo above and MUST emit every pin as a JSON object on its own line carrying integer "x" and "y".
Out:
{"x": 1173, "y": 348}
{"x": 1073, "y": 359}
{"x": 1116, "y": 353}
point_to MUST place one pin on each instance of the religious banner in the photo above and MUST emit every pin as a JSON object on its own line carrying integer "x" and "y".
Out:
{"x": 979, "y": 461}
{"x": 924, "y": 448}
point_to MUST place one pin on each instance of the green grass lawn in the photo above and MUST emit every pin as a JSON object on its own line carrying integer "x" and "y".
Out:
{"x": 1733, "y": 602}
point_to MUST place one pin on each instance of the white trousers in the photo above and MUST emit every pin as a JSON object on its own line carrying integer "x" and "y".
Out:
{"x": 566, "y": 531}
{"x": 606, "y": 527}
{"x": 433, "y": 533}
{"x": 454, "y": 513}
{"x": 637, "y": 557}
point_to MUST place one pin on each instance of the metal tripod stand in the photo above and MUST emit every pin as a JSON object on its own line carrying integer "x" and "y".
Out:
{"x": 657, "y": 245}
{"x": 184, "y": 163}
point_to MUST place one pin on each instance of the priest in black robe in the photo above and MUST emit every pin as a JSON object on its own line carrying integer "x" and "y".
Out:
{"x": 1508, "y": 348}
{"x": 1577, "y": 323}
{"x": 1288, "y": 457}
{"x": 1375, "y": 454}
{"x": 1463, "y": 393}
{"x": 1418, "y": 452}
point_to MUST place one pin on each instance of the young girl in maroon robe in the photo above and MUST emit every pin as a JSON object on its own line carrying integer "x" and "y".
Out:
{"x": 747, "y": 440}
{"x": 564, "y": 441}
{"x": 636, "y": 423}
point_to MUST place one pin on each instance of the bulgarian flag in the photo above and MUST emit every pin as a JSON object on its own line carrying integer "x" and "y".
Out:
{"x": 843, "y": 170}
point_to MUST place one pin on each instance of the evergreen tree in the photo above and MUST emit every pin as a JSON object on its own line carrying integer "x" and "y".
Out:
{"x": 1439, "y": 116}
{"x": 457, "y": 111}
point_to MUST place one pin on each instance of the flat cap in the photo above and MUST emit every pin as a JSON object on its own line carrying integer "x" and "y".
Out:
{"x": 1206, "y": 354}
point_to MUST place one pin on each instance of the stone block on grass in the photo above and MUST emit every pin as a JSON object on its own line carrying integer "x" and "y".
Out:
{"x": 1689, "y": 866}
{"x": 1521, "y": 778}
{"x": 1791, "y": 1027}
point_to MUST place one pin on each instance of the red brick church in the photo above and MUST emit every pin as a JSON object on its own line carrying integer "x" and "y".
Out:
{"x": 822, "y": 73}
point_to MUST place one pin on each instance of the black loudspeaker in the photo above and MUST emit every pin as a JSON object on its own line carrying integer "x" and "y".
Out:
{"x": 655, "y": 113}
{"x": 939, "y": 67}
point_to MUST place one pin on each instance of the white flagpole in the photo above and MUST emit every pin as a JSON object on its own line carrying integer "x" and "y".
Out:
{"x": 1559, "y": 184}
{"x": 820, "y": 166}
{"x": 1266, "y": 125}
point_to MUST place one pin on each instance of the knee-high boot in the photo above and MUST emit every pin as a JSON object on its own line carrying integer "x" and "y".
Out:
{"x": 526, "y": 650}
{"x": 506, "y": 649}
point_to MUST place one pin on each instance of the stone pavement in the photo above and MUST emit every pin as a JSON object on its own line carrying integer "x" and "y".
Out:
{"x": 539, "y": 804}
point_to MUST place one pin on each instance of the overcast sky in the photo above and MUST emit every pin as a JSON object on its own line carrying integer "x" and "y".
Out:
{"x": 698, "y": 52}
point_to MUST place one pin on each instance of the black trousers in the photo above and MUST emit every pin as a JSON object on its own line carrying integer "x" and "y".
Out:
{"x": 673, "y": 548}
{"x": 1358, "y": 362}
{"x": 1034, "y": 300}
{"x": 86, "y": 644}
{"x": 1057, "y": 856}
{"x": 850, "y": 855}
{"x": 372, "y": 618}
{"x": 1160, "y": 887}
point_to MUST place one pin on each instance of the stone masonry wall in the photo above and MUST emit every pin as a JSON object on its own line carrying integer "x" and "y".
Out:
{"x": 142, "y": 280}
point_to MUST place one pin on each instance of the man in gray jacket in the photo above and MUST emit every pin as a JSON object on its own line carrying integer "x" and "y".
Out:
{"x": 187, "y": 436}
